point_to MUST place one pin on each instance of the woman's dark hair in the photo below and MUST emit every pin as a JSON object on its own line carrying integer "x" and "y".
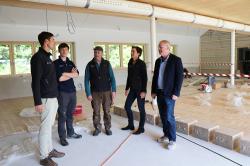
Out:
{"x": 138, "y": 50}
{"x": 63, "y": 45}
{"x": 43, "y": 36}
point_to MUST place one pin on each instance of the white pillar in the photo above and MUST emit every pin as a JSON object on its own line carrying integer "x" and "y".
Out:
{"x": 232, "y": 78}
{"x": 153, "y": 42}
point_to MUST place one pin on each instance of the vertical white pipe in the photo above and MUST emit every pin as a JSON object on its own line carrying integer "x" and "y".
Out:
{"x": 153, "y": 41}
{"x": 232, "y": 78}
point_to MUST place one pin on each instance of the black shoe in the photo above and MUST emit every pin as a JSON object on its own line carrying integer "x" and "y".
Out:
{"x": 76, "y": 136}
{"x": 48, "y": 162}
{"x": 139, "y": 131}
{"x": 128, "y": 128}
{"x": 108, "y": 132}
{"x": 96, "y": 132}
{"x": 64, "y": 142}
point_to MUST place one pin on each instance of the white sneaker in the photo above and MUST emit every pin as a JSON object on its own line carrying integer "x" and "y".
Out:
{"x": 171, "y": 145}
{"x": 163, "y": 139}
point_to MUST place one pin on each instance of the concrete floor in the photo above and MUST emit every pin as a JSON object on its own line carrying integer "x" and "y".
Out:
{"x": 140, "y": 150}
{"x": 215, "y": 108}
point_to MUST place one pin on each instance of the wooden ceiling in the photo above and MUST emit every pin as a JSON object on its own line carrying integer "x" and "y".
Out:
{"x": 231, "y": 10}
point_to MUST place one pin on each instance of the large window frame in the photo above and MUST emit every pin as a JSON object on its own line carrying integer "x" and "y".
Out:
{"x": 107, "y": 56}
{"x": 144, "y": 49}
{"x": 34, "y": 45}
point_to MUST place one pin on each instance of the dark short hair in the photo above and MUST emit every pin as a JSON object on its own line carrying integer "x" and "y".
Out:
{"x": 63, "y": 45}
{"x": 98, "y": 48}
{"x": 138, "y": 50}
{"x": 43, "y": 36}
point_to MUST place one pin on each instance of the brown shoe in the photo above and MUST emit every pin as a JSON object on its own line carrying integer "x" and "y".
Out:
{"x": 48, "y": 162}
{"x": 54, "y": 153}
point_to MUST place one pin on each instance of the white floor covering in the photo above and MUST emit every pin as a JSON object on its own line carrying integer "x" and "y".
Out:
{"x": 140, "y": 150}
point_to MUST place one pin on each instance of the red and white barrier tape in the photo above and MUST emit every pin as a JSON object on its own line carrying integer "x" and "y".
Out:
{"x": 212, "y": 63}
{"x": 218, "y": 75}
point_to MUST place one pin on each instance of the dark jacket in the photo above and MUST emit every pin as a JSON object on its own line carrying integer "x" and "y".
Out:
{"x": 61, "y": 67}
{"x": 137, "y": 76}
{"x": 99, "y": 76}
{"x": 44, "y": 83}
{"x": 173, "y": 76}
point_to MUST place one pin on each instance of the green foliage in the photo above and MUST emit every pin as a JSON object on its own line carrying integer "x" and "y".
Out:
{"x": 126, "y": 54}
{"x": 114, "y": 55}
{"x": 4, "y": 59}
{"x": 22, "y": 56}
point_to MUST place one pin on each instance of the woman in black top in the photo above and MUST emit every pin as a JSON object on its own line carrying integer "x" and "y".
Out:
{"x": 136, "y": 88}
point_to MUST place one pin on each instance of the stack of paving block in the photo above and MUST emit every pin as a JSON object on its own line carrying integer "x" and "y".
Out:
{"x": 227, "y": 138}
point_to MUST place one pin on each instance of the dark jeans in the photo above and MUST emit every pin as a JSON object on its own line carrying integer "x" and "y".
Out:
{"x": 133, "y": 94}
{"x": 67, "y": 104}
{"x": 166, "y": 110}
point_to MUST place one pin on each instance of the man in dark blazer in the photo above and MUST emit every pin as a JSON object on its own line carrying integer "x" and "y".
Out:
{"x": 166, "y": 85}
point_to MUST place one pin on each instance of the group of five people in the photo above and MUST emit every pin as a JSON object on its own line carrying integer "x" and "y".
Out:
{"x": 54, "y": 92}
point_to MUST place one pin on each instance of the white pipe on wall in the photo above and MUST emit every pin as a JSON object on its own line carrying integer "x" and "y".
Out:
{"x": 232, "y": 77}
{"x": 122, "y": 6}
{"x": 247, "y": 28}
{"x": 171, "y": 14}
{"x": 77, "y": 3}
{"x": 153, "y": 41}
{"x": 203, "y": 20}
{"x": 130, "y": 7}
{"x": 233, "y": 26}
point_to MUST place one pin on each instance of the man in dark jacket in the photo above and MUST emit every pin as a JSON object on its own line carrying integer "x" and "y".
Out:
{"x": 45, "y": 92}
{"x": 66, "y": 71}
{"x": 166, "y": 85}
{"x": 100, "y": 88}
{"x": 136, "y": 88}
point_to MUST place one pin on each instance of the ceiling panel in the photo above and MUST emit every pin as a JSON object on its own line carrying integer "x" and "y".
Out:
{"x": 232, "y": 10}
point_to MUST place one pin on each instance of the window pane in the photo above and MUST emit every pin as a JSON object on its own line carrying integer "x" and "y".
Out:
{"x": 57, "y": 51}
{"x": 5, "y": 59}
{"x": 172, "y": 49}
{"x": 126, "y": 54}
{"x": 104, "y": 50}
{"x": 70, "y": 52}
{"x": 114, "y": 56}
{"x": 37, "y": 47}
{"x": 22, "y": 56}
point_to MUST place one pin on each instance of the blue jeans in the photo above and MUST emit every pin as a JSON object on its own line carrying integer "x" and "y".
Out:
{"x": 166, "y": 110}
{"x": 133, "y": 94}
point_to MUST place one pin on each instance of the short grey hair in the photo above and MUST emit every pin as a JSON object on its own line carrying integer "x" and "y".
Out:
{"x": 165, "y": 42}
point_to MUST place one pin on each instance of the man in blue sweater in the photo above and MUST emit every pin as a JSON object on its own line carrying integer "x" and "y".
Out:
{"x": 100, "y": 88}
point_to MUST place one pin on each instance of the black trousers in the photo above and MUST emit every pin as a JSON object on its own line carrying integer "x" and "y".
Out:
{"x": 67, "y": 104}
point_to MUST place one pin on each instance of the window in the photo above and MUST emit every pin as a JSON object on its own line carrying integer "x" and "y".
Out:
{"x": 5, "y": 59}
{"x": 173, "y": 49}
{"x": 126, "y": 54}
{"x": 15, "y": 56}
{"x": 37, "y": 46}
{"x": 114, "y": 55}
{"x": 22, "y": 56}
{"x": 119, "y": 54}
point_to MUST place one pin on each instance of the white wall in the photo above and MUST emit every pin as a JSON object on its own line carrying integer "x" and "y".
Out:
{"x": 13, "y": 87}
